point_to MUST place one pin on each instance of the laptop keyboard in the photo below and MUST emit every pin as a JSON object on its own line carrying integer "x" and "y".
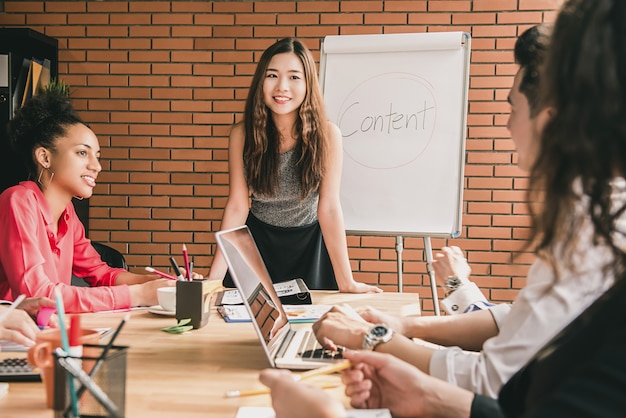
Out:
{"x": 311, "y": 349}
{"x": 18, "y": 370}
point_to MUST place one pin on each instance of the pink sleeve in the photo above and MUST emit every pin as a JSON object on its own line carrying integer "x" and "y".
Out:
{"x": 31, "y": 266}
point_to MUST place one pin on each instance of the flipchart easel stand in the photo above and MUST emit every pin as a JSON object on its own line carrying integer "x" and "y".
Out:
{"x": 428, "y": 252}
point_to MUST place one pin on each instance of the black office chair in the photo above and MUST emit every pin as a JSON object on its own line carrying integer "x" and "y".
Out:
{"x": 109, "y": 255}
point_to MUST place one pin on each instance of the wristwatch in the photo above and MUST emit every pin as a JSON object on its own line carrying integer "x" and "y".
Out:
{"x": 451, "y": 284}
{"x": 376, "y": 335}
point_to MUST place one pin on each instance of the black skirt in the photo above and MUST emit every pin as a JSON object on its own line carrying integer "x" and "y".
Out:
{"x": 291, "y": 253}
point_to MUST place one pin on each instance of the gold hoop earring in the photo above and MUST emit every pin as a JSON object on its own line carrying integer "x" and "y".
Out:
{"x": 41, "y": 173}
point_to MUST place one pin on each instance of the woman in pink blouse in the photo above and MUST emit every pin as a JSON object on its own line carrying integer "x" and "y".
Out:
{"x": 43, "y": 241}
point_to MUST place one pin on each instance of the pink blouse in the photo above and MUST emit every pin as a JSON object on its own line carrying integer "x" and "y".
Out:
{"x": 34, "y": 260}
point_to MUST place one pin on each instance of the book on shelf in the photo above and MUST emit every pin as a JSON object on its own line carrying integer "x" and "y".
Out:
{"x": 20, "y": 85}
{"x": 33, "y": 77}
{"x": 28, "y": 87}
{"x": 36, "y": 70}
{"x": 44, "y": 80}
{"x": 4, "y": 70}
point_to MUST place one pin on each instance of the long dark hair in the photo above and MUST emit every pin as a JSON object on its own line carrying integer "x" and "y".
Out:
{"x": 530, "y": 51}
{"x": 261, "y": 146}
{"x": 585, "y": 140}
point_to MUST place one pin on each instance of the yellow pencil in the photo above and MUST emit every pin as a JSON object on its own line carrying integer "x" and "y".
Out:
{"x": 264, "y": 391}
{"x": 332, "y": 368}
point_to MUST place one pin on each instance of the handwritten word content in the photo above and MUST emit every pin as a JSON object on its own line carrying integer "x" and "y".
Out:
{"x": 388, "y": 121}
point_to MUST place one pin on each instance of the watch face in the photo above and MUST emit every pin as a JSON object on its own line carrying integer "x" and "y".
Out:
{"x": 452, "y": 282}
{"x": 379, "y": 330}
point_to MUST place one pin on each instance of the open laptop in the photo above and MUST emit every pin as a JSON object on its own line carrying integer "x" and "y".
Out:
{"x": 284, "y": 346}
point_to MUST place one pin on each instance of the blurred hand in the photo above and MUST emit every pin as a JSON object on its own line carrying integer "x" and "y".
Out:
{"x": 358, "y": 287}
{"x": 194, "y": 275}
{"x": 374, "y": 316}
{"x": 145, "y": 294}
{"x": 33, "y": 305}
{"x": 341, "y": 325}
{"x": 289, "y": 396}
{"x": 379, "y": 380}
{"x": 19, "y": 327}
{"x": 450, "y": 262}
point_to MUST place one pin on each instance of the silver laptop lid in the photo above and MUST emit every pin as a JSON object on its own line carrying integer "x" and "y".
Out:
{"x": 250, "y": 275}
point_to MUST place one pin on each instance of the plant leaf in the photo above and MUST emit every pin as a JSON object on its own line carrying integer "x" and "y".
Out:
{"x": 180, "y": 327}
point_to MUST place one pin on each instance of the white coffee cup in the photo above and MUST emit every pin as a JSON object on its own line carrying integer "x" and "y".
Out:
{"x": 167, "y": 298}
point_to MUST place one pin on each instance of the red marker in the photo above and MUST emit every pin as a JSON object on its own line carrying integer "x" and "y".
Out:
{"x": 186, "y": 258}
{"x": 76, "y": 347}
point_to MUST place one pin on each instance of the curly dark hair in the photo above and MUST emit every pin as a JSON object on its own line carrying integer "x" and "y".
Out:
{"x": 261, "y": 146}
{"x": 585, "y": 140}
{"x": 39, "y": 123}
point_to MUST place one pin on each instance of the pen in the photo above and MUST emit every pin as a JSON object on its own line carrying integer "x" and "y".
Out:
{"x": 186, "y": 258}
{"x": 176, "y": 269}
{"x": 11, "y": 307}
{"x": 65, "y": 344}
{"x": 190, "y": 269}
{"x": 160, "y": 273}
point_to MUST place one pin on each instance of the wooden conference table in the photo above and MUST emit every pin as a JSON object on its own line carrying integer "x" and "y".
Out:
{"x": 186, "y": 375}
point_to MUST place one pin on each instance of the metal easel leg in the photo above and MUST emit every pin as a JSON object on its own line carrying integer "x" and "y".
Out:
{"x": 399, "y": 248}
{"x": 428, "y": 249}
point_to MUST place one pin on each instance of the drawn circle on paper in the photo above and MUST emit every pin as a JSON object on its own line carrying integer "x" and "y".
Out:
{"x": 388, "y": 121}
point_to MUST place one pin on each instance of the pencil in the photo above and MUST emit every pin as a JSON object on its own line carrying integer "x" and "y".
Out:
{"x": 263, "y": 391}
{"x": 160, "y": 273}
{"x": 331, "y": 368}
{"x": 11, "y": 307}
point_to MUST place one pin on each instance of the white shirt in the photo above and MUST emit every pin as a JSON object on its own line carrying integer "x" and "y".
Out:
{"x": 541, "y": 309}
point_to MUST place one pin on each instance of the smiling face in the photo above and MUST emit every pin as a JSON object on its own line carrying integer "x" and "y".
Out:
{"x": 525, "y": 130}
{"x": 74, "y": 162}
{"x": 284, "y": 86}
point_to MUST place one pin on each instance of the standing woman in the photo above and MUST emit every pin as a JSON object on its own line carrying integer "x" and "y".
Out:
{"x": 43, "y": 241}
{"x": 285, "y": 158}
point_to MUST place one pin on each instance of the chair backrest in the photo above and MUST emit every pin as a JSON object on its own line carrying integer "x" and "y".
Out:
{"x": 110, "y": 255}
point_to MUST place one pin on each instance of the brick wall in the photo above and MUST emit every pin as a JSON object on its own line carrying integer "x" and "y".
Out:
{"x": 161, "y": 82}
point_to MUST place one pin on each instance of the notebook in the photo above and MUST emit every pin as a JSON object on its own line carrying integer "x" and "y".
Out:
{"x": 284, "y": 346}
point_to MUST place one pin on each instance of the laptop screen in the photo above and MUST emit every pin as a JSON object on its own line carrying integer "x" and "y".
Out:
{"x": 250, "y": 274}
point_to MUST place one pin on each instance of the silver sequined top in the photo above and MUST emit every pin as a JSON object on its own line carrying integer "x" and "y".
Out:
{"x": 285, "y": 209}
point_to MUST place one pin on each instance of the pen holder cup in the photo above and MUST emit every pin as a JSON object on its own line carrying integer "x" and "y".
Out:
{"x": 193, "y": 300}
{"x": 103, "y": 395}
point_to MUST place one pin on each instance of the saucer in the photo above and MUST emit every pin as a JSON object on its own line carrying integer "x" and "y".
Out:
{"x": 156, "y": 309}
